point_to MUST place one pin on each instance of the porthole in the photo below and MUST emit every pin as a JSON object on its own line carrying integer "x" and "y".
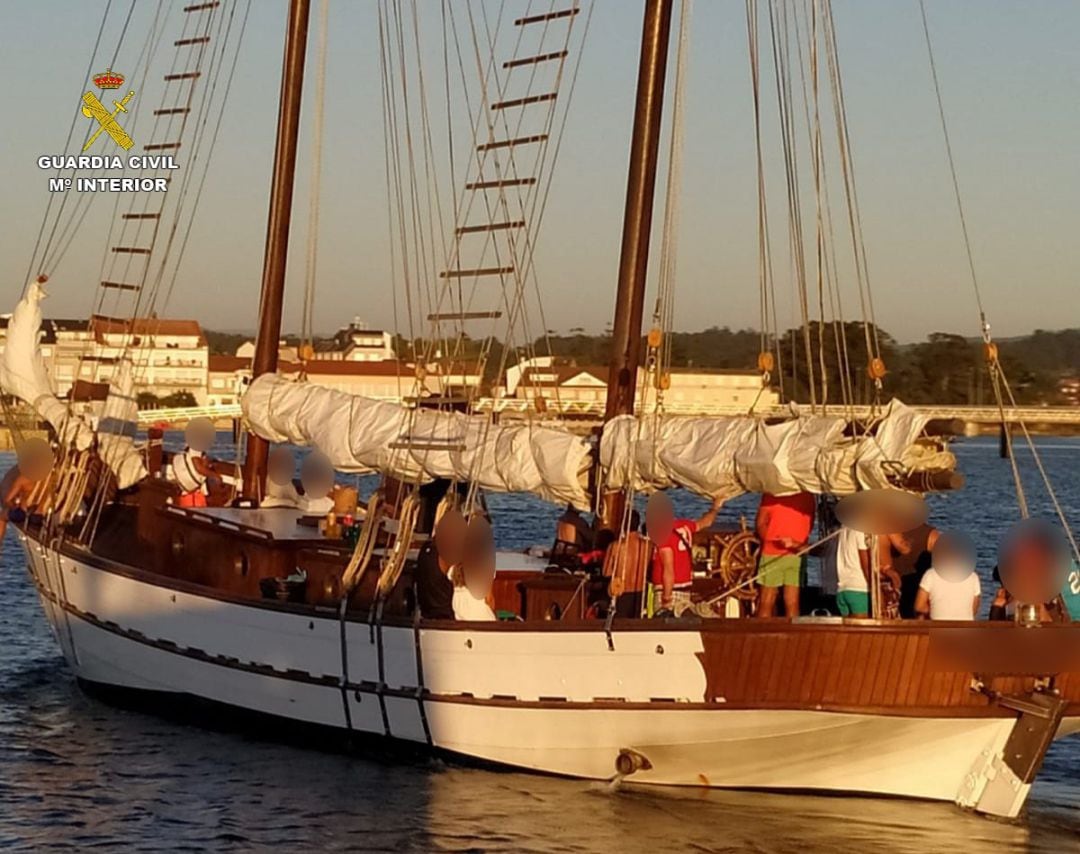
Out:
{"x": 240, "y": 564}
{"x": 177, "y": 544}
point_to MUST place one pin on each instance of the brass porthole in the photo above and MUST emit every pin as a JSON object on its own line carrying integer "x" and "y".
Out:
{"x": 240, "y": 564}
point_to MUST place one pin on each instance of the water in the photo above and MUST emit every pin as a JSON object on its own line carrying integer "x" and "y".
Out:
{"x": 75, "y": 772}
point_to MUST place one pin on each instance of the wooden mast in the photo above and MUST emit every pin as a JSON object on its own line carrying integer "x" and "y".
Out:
{"x": 277, "y": 227}
{"x": 637, "y": 218}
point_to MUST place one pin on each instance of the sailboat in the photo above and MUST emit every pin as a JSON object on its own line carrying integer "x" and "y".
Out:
{"x": 158, "y": 601}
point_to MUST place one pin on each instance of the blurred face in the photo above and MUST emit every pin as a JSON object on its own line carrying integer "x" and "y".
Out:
{"x": 199, "y": 434}
{"x": 479, "y": 559}
{"x": 280, "y": 466}
{"x": 954, "y": 556}
{"x": 316, "y": 475}
{"x": 1033, "y": 561}
{"x": 659, "y": 518}
{"x": 35, "y": 458}
{"x": 450, "y": 536}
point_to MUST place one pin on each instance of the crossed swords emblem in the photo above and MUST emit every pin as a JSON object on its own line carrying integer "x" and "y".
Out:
{"x": 94, "y": 109}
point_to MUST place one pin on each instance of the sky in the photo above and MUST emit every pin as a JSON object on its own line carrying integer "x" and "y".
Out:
{"x": 1009, "y": 71}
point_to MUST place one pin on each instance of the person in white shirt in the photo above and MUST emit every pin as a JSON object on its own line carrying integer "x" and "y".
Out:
{"x": 853, "y": 573}
{"x": 950, "y": 589}
{"x": 469, "y": 606}
{"x": 474, "y": 578}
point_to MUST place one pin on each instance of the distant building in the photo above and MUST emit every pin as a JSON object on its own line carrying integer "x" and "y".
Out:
{"x": 286, "y": 352}
{"x": 352, "y": 343}
{"x": 692, "y": 390}
{"x": 168, "y": 356}
{"x": 355, "y": 343}
{"x": 393, "y": 380}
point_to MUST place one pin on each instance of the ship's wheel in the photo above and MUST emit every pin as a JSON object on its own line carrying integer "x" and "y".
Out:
{"x": 738, "y": 564}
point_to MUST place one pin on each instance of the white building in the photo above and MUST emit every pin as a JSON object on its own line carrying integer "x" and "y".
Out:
{"x": 385, "y": 380}
{"x": 168, "y": 356}
{"x": 356, "y": 343}
{"x": 286, "y": 352}
{"x": 691, "y": 390}
{"x": 352, "y": 343}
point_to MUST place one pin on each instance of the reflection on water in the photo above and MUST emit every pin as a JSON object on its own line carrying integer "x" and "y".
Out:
{"x": 76, "y": 772}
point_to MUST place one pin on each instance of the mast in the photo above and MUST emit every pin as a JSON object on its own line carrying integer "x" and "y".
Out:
{"x": 637, "y": 218}
{"x": 277, "y": 227}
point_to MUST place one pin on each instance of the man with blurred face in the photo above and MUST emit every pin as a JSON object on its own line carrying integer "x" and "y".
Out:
{"x": 672, "y": 562}
{"x": 440, "y": 554}
{"x": 473, "y": 578}
{"x": 783, "y": 525}
{"x": 1036, "y": 570}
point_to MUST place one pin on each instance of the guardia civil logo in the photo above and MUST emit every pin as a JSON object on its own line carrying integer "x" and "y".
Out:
{"x": 106, "y": 121}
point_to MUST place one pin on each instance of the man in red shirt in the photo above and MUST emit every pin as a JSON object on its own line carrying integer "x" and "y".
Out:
{"x": 783, "y": 526}
{"x": 672, "y": 560}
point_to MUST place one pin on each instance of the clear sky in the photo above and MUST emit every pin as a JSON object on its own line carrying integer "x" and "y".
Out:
{"x": 1011, "y": 78}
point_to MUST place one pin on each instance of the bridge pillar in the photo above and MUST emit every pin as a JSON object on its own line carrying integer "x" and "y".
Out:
{"x": 1005, "y": 441}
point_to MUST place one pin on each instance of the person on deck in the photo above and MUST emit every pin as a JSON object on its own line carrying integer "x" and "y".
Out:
{"x": 909, "y": 556}
{"x": 626, "y": 564}
{"x": 191, "y": 470}
{"x": 783, "y": 525}
{"x": 573, "y": 537}
{"x": 438, "y": 556}
{"x": 474, "y": 576}
{"x": 853, "y": 573}
{"x": 950, "y": 589}
{"x": 672, "y": 560}
{"x": 1034, "y": 560}
{"x": 15, "y": 489}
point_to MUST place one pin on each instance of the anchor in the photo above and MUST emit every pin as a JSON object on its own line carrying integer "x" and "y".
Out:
{"x": 94, "y": 109}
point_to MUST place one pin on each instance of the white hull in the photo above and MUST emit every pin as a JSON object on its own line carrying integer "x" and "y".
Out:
{"x": 559, "y": 702}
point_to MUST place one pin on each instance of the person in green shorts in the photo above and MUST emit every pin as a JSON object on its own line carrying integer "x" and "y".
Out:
{"x": 783, "y": 525}
{"x": 853, "y": 573}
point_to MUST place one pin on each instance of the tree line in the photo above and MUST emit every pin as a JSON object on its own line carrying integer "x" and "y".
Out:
{"x": 945, "y": 368}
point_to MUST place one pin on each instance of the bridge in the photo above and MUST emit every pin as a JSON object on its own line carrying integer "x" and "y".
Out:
{"x": 179, "y": 415}
{"x": 590, "y": 412}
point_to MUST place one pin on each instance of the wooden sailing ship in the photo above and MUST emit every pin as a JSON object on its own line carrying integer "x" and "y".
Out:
{"x": 162, "y": 601}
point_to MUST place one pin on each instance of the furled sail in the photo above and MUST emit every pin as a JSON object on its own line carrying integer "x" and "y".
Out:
{"x": 23, "y": 373}
{"x": 117, "y": 428}
{"x": 729, "y": 456}
{"x": 361, "y": 434}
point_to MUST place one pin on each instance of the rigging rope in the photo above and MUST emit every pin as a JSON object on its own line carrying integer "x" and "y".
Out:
{"x": 999, "y": 380}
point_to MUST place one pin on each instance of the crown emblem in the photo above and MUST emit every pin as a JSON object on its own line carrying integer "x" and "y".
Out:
{"x": 109, "y": 80}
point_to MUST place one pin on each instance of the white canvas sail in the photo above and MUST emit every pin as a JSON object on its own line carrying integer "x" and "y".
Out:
{"x": 359, "y": 434}
{"x": 117, "y": 428}
{"x": 23, "y": 374}
{"x": 729, "y": 456}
